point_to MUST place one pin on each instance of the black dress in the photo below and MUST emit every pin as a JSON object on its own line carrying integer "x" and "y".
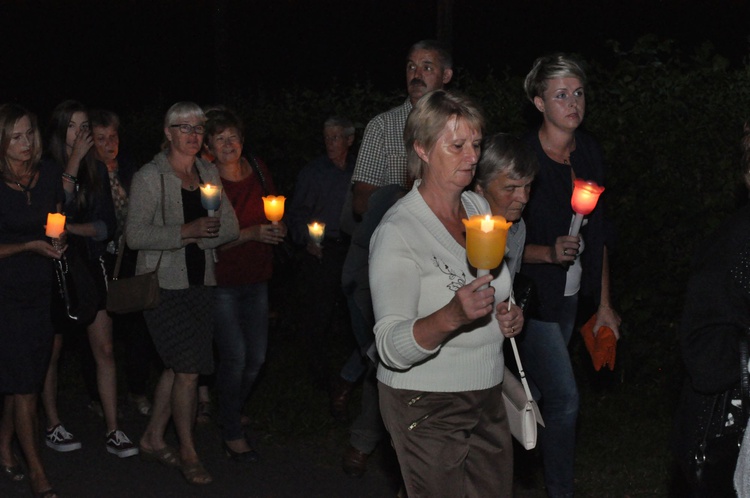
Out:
{"x": 182, "y": 325}
{"x": 26, "y": 283}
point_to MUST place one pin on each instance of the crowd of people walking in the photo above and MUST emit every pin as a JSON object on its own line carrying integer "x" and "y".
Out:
{"x": 429, "y": 330}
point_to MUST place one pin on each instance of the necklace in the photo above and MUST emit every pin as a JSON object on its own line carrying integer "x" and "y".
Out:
{"x": 560, "y": 157}
{"x": 26, "y": 189}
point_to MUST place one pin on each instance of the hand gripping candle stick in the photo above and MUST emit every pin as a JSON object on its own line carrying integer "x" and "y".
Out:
{"x": 485, "y": 241}
{"x": 585, "y": 196}
{"x": 317, "y": 232}
{"x": 274, "y": 208}
{"x": 211, "y": 198}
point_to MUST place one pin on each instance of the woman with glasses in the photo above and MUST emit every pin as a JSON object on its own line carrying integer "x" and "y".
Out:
{"x": 90, "y": 225}
{"x": 175, "y": 236}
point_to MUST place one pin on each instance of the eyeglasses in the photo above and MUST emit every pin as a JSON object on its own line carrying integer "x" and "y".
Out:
{"x": 188, "y": 129}
{"x": 334, "y": 138}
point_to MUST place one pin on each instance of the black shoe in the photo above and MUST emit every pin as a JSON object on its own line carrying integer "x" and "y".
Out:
{"x": 354, "y": 462}
{"x": 339, "y": 399}
{"x": 251, "y": 456}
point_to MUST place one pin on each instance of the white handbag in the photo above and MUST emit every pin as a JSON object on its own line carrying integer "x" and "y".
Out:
{"x": 523, "y": 412}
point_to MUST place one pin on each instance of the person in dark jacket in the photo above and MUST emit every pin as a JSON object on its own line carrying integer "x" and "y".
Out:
{"x": 716, "y": 315}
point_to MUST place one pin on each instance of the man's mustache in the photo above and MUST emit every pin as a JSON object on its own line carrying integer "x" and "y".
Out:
{"x": 417, "y": 81}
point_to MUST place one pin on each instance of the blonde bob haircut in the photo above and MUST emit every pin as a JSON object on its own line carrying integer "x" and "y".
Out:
{"x": 10, "y": 114}
{"x": 428, "y": 119}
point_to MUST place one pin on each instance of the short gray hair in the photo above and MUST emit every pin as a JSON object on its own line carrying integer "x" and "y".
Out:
{"x": 341, "y": 121}
{"x": 504, "y": 153}
{"x": 444, "y": 54}
{"x": 182, "y": 110}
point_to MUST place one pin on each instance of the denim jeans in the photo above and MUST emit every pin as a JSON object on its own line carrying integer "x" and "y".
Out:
{"x": 367, "y": 429}
{"x": 241, "y": 339}
{"x": 544, "y": 352}
{"x": 356, "y": 364}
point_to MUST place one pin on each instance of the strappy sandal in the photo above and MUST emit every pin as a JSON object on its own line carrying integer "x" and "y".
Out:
{"x": 166, "y": 456}
{"x": 196, "y": 474}
{"x": 204, "y": 412}
{"x": 13, "y": 472}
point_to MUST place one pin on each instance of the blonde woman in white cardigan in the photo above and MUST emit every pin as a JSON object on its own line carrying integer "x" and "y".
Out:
{"x": 439, "y": 334}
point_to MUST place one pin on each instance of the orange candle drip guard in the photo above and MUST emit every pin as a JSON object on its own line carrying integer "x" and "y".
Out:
{"x": 585, "y": 196}
{"x": 274, "y": 207}
{"x": 486, "y": 248}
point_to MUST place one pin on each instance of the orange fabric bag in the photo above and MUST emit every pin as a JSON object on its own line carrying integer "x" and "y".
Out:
{"x": 602, "y": 347}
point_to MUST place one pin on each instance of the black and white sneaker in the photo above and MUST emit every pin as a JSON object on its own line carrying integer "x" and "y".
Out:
{"x": 61, "y": 440}
{"x": 119, "y": 444}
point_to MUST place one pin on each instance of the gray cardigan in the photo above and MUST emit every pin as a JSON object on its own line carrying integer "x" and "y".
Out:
{"x": 153, "y": 235}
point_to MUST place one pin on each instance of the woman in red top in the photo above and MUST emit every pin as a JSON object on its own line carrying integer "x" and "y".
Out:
{"x": 242, "y": 275}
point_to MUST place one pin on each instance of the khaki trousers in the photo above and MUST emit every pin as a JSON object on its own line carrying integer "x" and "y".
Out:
{"x": 450, "y": 444}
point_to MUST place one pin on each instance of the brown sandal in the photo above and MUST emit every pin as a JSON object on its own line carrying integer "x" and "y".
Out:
{"x": 204, "y": 412}
{"x": 166, "y": 456}
{"x": 196, "y": 474}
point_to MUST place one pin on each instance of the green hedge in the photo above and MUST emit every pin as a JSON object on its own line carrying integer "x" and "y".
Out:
{"x": 670, "y": 124}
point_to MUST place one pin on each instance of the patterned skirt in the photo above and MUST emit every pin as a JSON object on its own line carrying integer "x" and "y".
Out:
{"x": 182, "y": 329}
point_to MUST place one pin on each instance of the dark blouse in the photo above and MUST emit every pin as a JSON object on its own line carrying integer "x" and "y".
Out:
{"x": 195, "y": 257}
{"x": 22, "y": 221}
{"x": 548, "y": 215}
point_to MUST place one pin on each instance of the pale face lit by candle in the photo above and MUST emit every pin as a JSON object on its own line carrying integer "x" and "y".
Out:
{"x": 274, "y": 207}
{"x": 55, "y": 225}
{"x": 585, "y": 196}
{"x": 485, "y": 240}
{"x": 317, "y": 232}
{"x": 210, "y": 196}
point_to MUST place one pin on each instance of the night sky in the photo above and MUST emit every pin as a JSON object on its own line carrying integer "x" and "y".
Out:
{"x": 129, "y": 54}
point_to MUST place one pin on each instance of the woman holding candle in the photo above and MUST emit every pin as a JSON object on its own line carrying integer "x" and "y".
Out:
{"x": 245, "y": 266}
{"x": 556, "y": 261}
{"x": 91, "y": 224}
{"x": 174, "y": 235}
{"x": 28, "y": 193}
{"x": 439, "y": 333}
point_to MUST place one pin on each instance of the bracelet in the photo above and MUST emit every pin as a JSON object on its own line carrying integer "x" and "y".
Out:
{"x": 71, "y": 179}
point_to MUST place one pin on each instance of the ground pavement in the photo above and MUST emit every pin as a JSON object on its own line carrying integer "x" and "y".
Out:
{"x": 286, "y": 469}
{"x": 295, "y": 468}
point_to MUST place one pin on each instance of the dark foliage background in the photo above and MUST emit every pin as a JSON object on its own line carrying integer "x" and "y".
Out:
{"x": 667, "y": 107}
{"x": 670, "y": 122}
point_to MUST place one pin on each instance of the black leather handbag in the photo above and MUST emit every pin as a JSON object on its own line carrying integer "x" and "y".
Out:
{"x": 77, "y": 295}
{"x": 723, "y": 426}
